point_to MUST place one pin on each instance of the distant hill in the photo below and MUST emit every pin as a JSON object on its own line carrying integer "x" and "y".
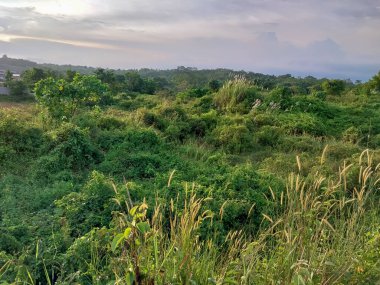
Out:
{"x": 16, "y": 65}
{"x": 182, "y": 77}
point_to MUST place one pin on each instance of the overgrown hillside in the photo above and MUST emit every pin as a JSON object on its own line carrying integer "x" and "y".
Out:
{"x": 189, "y": 177}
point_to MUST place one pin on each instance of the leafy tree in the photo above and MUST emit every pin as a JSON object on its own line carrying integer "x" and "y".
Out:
{"x": 63, "y": 98}
{"x": 106, "y": 76}
{"x": 17, "y": 88}
{"x": 334, "y": 87}
{"x": 281, "y": 96}
{"x": 134, "y": 82}
{"x": 374, "y": 83}
{"x": 214, "y": 85}
{"x": 8, "y": 78}
{"x": 70, "y": 74}
{"x": 32, "y": 76}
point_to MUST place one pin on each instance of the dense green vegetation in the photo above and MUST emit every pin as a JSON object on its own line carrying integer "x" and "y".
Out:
{"x": 189, "y": 177}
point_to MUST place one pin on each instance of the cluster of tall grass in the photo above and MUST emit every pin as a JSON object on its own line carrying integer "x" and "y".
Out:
{"x": 236, "y": 95}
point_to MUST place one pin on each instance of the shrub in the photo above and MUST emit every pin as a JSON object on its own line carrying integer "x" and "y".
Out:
{"x": 173, "y": 113}
{"x": 89, "y": 208}
{"x": 193, "y": 93}
{"x": 151, "y": 119}
{"x": 9, "y": 243}
{"x": 124, "y": 162}
{"x": 20, "y": 137}
{"x": 351, "y": 135}
{"x": 232, "y": 138}
{"x": 70, "y": 150}
{"x": 137, "y": 156}
{"x": 333, "y": 87}
{"x": 321, "y": 95}
{"x": 269, "y": 136}
{"x": 301, "y": 123}
{"x": 177, "y": 131}
{"x": 281, "y": 97}
{"x": 374, "y": 141}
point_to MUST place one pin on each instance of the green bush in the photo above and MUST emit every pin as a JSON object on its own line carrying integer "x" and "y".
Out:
{"x": 9, "y": 243}
{"x": 232, "y": 138}
{"x": 21, "y": 138}
{"x": 374, "y": 141}
{"x": 70, "y": 150}
{"x": 90, "y": 207}
{"x": 351, "y": 135}
{"x": 110, "y": 123}
{"x": 321, "y": 95}
{"x": 131, "y": 165}
{"x": 301, "y": 123}
{"x": 269, "y": 136}
{"x": 281, "y": 97}
{"x": 139, "y": 155}
{"x": 177, "y": 131}
{"x": 173, "y": 114}
{"x": 300, "y": 144}
{"x": 93, "y": 244}
{"x": 151, "y": 119}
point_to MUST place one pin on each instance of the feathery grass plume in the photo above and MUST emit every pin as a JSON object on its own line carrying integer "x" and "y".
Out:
{"x": 234, "y": 92}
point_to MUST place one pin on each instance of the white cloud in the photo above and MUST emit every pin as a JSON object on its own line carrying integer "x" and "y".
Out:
{"x": 250, "y": 34}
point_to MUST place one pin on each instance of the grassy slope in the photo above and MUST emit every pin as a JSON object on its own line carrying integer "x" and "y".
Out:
{"x": 56, "y": 211}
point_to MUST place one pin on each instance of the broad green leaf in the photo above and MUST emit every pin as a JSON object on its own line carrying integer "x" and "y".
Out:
{"x": 143, "y": 227}
{"x": 116, "y": 241}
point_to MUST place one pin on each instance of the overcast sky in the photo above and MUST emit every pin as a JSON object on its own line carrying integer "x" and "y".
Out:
{"x": 338, "y": 38}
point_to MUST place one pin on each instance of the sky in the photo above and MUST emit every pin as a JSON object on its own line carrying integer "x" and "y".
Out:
{"x": 323, "y": 38}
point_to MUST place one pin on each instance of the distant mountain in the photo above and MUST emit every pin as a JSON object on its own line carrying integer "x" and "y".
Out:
{"x": 16, "y": 65}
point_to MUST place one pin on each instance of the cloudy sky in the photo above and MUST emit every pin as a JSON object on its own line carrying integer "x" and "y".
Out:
{"x": 338, "y": 38}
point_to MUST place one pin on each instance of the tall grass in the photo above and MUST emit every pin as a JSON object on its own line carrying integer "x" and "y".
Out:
{"x": 324, "y": 232}
{"x": 233, "y": 93}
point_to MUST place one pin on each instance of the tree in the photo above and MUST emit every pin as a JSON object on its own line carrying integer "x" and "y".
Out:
{"x": 62, "y": 98}
{"x": 134, "y": 82}
{"x": 374, "y": 83}
{"x": 31, "y": 76}
{"x": 106, "y": 76}
{"x": 8, "y": 78}
{"x": 17, "y": 88}
{"x": 334, "y": 87}
{"x": 214, "y": 85}
{"x": 70, "y": 74}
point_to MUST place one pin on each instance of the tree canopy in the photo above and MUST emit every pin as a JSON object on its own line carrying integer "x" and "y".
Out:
{"x": 63, "y": 98}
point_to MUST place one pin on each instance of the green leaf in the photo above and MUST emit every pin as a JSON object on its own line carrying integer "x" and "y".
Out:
{"x": 127, "y": 233}
{"x": 130, "y": 277}
{"x": 143, "y": 227}
{"x": 230, "y": 280}
{"x": 132, "y": 212}
{"x": 116, "y": 241}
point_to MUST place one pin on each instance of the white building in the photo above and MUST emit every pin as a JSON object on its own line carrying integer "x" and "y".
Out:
{"x": 4, "y": 91}
{"x": 2, "y": 75}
